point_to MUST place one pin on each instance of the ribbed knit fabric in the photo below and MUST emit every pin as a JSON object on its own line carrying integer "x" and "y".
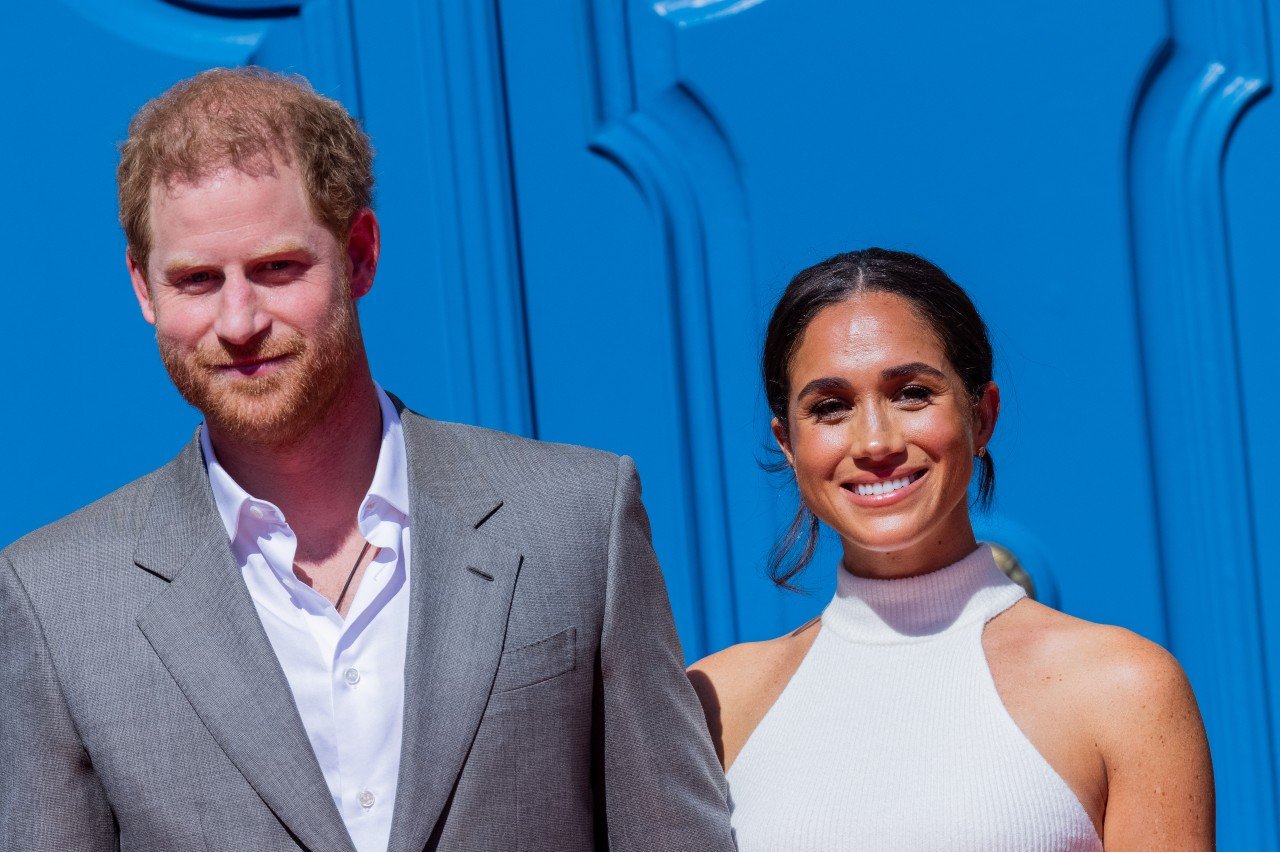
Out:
{"x": 891, "y": 735}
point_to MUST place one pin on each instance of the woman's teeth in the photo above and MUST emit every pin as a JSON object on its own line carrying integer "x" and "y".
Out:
{"x": 884, "y": 487}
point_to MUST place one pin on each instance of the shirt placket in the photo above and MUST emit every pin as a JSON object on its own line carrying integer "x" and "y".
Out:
{"x": 344, "y": 672}
{"x": 305, "y": 608}
{"x": 354, "y": 681}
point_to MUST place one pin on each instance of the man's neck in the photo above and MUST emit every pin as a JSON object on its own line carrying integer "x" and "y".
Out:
{"x": 318, "y": 480}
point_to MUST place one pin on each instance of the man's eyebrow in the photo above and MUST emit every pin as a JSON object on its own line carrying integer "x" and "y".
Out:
{"x": 915, "y": 368}
{"x": 825, "y": 385}
{"x": 282, "y": 247}
{"x": 180, "y": 264}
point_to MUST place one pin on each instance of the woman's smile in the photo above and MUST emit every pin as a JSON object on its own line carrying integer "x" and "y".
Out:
{"x": 883, "y": 492}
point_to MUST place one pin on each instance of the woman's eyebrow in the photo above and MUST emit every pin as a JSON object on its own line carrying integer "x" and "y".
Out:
{"x": 915, "y": 368}
{"x": 825, "y": 385}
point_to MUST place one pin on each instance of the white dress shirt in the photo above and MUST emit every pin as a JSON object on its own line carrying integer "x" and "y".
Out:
{"x": 347, "y": 676}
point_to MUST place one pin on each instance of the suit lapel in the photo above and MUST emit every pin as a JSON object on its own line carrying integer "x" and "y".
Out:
{"x": 207, "y": 633}
{"x": 461, "y": 585}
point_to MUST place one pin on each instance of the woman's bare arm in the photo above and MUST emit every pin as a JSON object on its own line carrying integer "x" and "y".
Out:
{"x": 1159, "y": 774}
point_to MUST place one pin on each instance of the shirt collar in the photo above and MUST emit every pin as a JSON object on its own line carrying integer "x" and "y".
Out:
{"x": 385, "y": 505}
{"x": 385, "y": 508}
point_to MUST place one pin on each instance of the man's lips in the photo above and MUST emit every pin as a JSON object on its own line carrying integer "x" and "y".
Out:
{"x": 252, "y": 366}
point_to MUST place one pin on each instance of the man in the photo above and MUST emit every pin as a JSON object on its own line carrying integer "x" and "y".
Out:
{"x": 330, "y": 622}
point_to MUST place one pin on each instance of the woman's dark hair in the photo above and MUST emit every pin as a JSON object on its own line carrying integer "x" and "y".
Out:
{"x": 934, "y": 296}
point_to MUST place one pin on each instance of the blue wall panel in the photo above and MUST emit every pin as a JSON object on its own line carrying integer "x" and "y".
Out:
{"x": 1215, "y": 68}
{"x": 1250, "y": 186}
{"x": 602, "y": 326}
{"x": 446, "y": 328}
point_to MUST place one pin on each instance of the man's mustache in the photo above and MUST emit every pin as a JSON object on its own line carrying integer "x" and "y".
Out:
{"x": 230, "y": 356}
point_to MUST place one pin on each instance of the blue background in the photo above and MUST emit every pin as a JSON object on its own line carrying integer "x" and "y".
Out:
{"x": 588, "y": 207}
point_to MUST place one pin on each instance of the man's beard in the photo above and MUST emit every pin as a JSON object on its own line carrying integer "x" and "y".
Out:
{"x": 278, "y": 409}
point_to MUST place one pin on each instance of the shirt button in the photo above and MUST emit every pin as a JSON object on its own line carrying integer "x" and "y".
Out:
{"x": 367, "y": 799}
{"x": 352, "y": 677}
{"x": 255, "y": 511}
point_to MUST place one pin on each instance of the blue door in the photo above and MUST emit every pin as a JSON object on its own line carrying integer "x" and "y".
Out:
{"x": 676, "y": 162}
{"x": 590, "y": 205}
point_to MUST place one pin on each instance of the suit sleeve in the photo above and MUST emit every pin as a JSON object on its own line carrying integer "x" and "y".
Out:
{"x": 50, "y": 797}
{"x": 663, "y": 787}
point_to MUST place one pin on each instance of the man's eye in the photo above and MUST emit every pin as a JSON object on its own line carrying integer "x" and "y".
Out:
{"x": 200, "y": 280}
{"x": 280, "y": 270}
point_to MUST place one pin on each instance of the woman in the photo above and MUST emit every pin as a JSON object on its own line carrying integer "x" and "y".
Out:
{"x": 932, "y": 705}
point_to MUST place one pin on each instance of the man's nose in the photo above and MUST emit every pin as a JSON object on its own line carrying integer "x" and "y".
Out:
{"x": 240, "y": 318}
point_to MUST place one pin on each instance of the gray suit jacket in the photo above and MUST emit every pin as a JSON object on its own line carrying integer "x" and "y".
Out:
{"x": 546, "y": 706}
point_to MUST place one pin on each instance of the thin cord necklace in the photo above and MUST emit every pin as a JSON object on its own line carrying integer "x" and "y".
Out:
{"x": 347, "y": 585}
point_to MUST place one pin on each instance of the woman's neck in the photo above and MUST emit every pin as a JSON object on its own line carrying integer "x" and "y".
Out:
{"x": 938, "y": 548}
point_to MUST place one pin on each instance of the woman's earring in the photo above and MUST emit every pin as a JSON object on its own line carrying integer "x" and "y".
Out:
{"x": 982, "y": 451}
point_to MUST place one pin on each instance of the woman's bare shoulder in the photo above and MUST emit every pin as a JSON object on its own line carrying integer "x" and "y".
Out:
{"x": 1114, "y": 660}
{"x": 738, "y": 685}
{"x": 744, "y": 662}
{"x": 1129, "y": 698}
{"x": 1114, "y": 681}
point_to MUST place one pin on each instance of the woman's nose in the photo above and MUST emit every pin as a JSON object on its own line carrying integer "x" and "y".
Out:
{"x": 879, "y": 435}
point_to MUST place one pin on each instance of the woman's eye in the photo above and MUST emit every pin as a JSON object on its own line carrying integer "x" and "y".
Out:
{"x": 825, "y": 410}
{"x": 915, "y": 394}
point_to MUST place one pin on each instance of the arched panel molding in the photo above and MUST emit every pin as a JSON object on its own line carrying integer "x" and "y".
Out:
{"x": 654, "y": 127}
{"x": 1216, "y": 65}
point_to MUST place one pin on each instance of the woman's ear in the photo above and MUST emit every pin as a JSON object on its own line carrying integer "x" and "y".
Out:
{"x": 783, "y": 438}
{"x": 985, "y": 414}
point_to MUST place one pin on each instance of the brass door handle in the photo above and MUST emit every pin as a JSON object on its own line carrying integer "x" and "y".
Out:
{"x": 1012, "y": 567}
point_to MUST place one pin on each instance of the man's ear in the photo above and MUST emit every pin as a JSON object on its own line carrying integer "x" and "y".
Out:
{"x": 783, "y": 438}
{"x": 985, "y": 414}
{"x": 138, "y": 277}
{"x": 364, "y": 244}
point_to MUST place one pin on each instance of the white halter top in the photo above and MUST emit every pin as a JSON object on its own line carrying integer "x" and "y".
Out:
{"x": 891, "y": 735}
